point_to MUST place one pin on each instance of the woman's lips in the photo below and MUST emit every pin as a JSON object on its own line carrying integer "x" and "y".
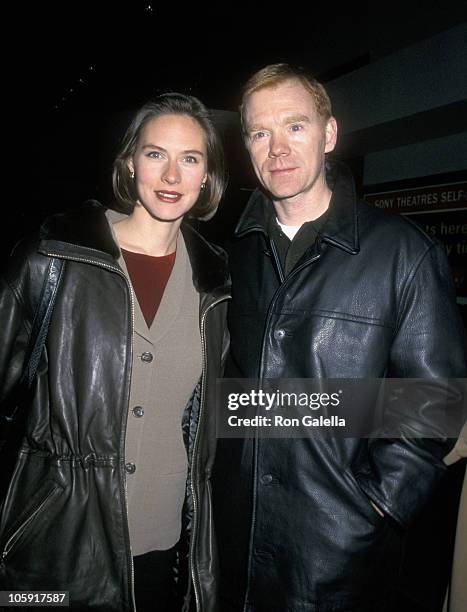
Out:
{"x": 279, "y": 171}
{"x": 168, "y": 196}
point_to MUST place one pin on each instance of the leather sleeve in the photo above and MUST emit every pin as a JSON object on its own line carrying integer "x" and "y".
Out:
{"x": 399, "y": 473}
{"x": 14, "y": 338}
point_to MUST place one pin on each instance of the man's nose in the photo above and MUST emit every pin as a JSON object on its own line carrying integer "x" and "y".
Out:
{"x": 278, "y": 146}
{"x": 171, "y": 174}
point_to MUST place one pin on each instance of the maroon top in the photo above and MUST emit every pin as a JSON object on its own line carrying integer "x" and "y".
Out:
{"x": 149, "y": 276}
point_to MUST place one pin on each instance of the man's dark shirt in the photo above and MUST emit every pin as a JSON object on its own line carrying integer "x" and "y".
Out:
{"x": 290, "y": 252}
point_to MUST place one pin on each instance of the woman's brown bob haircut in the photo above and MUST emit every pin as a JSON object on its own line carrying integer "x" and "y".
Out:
{"x": 172, "y": 104}
{"x": 275, "y": 74}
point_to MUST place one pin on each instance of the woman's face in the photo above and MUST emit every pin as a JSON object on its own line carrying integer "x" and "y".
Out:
{"x": 170, "y": 164}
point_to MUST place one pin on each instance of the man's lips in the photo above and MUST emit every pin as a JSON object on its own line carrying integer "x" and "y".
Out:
{"x": 168, "y": 196}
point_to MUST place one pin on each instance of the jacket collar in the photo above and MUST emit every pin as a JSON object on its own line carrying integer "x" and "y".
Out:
{"x": 341, "y": 227}
{"x": 85, "y": 227}
{"x": 85, "y": 232}
{"x": 208, "y": 262}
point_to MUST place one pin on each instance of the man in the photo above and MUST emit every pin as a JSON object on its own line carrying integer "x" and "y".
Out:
{"x": 325, "y": 286}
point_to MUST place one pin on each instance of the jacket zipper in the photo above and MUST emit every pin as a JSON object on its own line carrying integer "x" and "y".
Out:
{"x": 277, "y": 260}
{"x": 195, "y": 445}
{"x": 123, "y": 489}
{"x": 22, "y": 528}
{"x": 260, "y": 378}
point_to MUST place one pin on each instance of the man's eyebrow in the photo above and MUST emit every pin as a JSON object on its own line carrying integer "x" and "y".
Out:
{"x": 256, "y": 127}
{"x": 296, "y": 119}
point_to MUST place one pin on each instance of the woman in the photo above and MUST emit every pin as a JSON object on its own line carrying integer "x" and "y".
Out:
{"x": 100, "y": 488}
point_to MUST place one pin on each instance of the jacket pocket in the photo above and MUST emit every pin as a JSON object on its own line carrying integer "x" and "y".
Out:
{"x": 23, "y": 526}
{"x": 364, "y": 501}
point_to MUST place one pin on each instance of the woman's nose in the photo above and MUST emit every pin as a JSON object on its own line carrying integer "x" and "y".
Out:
{"x": 171, "y": 174}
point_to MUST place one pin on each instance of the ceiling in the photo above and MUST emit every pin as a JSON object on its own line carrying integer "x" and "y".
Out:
{"x": 77, "y": 70}
{"x": 85, "y": 56}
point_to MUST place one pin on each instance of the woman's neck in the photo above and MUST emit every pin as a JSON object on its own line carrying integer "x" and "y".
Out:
{"x": 142, "y": 233}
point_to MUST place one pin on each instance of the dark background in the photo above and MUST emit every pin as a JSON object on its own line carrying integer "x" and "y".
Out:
{"x": 78, "y": 71}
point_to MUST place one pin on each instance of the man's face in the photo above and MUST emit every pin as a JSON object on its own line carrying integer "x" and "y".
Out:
{"x": 287, "y": 139}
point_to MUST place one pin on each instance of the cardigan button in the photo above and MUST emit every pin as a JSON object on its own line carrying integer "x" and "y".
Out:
{"x": 279, "y": 333}
{"x": 137, "y": 411}
{"x": 266, "y": 479}
{"x": 130, "y": 468}
{"x": 147, "y": 357}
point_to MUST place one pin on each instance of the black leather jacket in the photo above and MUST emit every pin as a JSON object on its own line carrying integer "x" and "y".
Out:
{"x": 64, "y": 523}
{"x": 371, "y": 298}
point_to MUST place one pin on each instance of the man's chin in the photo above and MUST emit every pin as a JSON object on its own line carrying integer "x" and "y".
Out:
{"x": 282, "y": 190}
{"x": 282, "y": 194}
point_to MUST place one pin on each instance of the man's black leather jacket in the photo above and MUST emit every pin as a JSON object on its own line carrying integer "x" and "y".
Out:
{"x": 371, "y": 298}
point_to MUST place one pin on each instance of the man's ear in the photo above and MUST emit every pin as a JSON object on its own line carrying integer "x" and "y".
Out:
{"x": 331, "y": 135}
